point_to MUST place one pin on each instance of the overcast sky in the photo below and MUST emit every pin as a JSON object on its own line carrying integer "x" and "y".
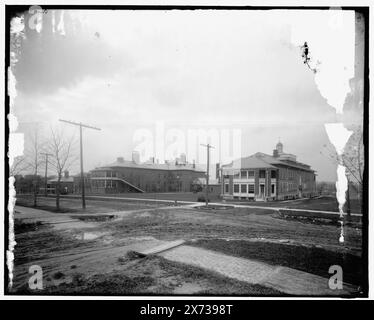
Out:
{"x": 129, "y": 71}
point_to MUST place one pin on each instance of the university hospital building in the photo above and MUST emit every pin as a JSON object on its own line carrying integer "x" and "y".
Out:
{"x": 150, "y": 176}
{"x": 259, "y": 177}
{"x": 264, "y": 177}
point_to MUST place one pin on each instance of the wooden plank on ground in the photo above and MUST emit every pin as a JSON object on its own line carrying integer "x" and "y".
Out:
{"x": 163, "y": 247}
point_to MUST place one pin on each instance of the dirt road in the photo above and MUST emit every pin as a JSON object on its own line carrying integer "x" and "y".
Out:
{"x": 80, "y": 251}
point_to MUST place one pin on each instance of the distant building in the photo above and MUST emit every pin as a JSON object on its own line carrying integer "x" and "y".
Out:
{"x": 132, "y": 176}
{"x": 214, "y": 188}
{"x": 66, "y": 184}
{"x": 264, "y": 177}
{"x": 78, "y": 183}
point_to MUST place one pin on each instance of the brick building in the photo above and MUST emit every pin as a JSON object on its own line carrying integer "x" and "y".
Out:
{"x": 66, "y": 184}
{"x": 132, "y": 176}
{"x": 264, "y": 177}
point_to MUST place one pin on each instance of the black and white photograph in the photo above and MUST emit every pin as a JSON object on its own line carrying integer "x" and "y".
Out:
{"x": 186, "y": 151}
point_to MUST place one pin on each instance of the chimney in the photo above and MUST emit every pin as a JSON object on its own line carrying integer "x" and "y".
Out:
{"x": 66, "y": 174}
{"x": 120, "y": 160}
{"x": 183, "y": 158}
{"x": 217, "y": 172}
{"x": 136, "y": 157}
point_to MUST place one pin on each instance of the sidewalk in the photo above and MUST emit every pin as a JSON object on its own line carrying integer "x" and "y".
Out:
{"x": 198, "y": 204}
{"x": 287, "y": 280}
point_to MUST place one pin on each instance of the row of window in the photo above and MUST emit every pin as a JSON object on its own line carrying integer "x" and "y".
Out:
{"x": 295, "y": 174}
{"x": 248, "y": 174}
{"x": 289, "y": 186}
{"x": 104, "y": 184}
{"x": 246, "y": 188}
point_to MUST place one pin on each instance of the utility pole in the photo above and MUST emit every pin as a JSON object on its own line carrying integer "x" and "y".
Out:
{"x": 348, "y": 201}
{"x": 208, "y": 146}
{"x": 81, "y": 125}
{"x": 46, "y": 170}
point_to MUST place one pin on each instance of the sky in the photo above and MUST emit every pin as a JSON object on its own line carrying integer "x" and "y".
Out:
{"x": 153, "y": 81}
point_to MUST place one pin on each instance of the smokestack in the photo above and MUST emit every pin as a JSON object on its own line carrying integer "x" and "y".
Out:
{"x": 183, "y": 158}
{"x": 136, "y": 157}
{"x": 217, "y": 171}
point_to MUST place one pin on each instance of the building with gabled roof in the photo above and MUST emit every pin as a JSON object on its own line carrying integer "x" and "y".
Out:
{"x": 268, "y": 177}
{"x": 150, "y": 176}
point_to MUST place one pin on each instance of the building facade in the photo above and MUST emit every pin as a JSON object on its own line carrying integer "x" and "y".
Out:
{"x": 131, "y": 176}
{"x": 263, "y": 177}
{"x": 66, "y": 184}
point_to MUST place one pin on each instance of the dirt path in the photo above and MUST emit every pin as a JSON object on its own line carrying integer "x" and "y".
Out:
{"x": 69, "y": 246}
{"x": 287, "y": 280}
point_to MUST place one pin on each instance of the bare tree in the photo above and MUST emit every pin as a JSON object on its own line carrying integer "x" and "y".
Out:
{"x": 63, "y": 157}
{"x": 353, "y": 160}
{"x": 35, "y": 162}
{"x": 19, "y": 166}
{"x": 31, "y": 160}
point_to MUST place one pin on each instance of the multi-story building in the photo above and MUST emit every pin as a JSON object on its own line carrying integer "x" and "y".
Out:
{"x": 132, "y": 176}
{"x": 66, "y": 184}
{"x": 265, "y": 177}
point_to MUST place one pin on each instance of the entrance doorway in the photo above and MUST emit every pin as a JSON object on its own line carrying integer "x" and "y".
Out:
{"x": 262, "y": 190}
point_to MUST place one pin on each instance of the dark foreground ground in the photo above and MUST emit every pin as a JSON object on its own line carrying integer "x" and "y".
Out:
{"x": 83, "y": 252}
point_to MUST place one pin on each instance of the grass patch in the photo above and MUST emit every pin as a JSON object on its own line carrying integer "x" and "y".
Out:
{"x": 20, "y": 226}
{"x": 42, "y": 242}
{"x": 319, "y": 218}
{"x": 309, "y": 259}
{"x": 46, "y": 207}
{"x": 95, "y": 218}
{"x": 213, "y": 207}
{"x": 58, "y": 275}
{"x": 114, "y": 283}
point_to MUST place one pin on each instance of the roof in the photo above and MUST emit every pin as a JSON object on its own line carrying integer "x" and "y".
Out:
{"x": 202, "y": 181}
{"x": 263, "y": 160}
{"x": 249, "y": 162}
{"x": 63, "y": 179}
{"x": 154, "y": 166}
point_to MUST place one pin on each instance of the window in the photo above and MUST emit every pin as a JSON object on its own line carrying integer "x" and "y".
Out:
{"x": 236, "y": 175}
{"x": 262, "y": 173}
{"x": 251, "y": 174}
{"x": 273, "y": 188}
{"x": 243, "y": 188}
{"x": 236, "y": 188}
{"x": 243, "y": 174}
{"x": 226, "y": 188}
{"x": 273, "y": 174}
{"x": 251, "y": 188}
